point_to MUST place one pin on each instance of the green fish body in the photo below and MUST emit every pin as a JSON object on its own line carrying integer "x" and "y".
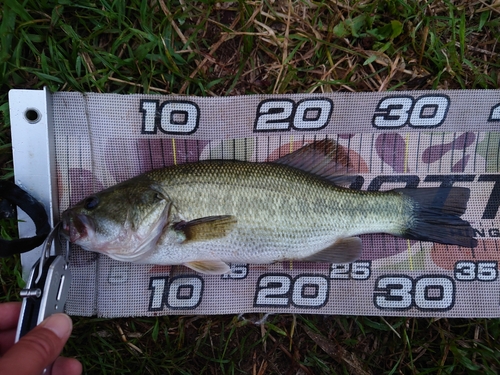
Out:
{"x": 207, "y": 214}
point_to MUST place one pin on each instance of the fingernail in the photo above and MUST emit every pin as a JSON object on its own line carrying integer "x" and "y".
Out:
{"x": 60, "y": 324}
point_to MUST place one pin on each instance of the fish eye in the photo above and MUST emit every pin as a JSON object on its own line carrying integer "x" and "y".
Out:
{"x": 91, "y": 202}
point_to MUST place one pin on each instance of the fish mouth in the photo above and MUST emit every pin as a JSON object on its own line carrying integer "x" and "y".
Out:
{"x": 75, "y": 226}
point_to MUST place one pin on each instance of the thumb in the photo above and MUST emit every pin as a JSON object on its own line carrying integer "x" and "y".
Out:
{"x": 38, "y": 348}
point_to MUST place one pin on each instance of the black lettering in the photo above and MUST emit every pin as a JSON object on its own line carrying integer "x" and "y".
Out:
{"x": 411, "y": 181}
{"x": 479, "y": 233}
{"x": 494, "y": 232}
{"x": 357, "y": 184}
{"x": 491, "y": 210}
{"x": 449, "y": 179}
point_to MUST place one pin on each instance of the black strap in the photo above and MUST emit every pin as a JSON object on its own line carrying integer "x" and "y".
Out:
{"x": 35, "y": 211}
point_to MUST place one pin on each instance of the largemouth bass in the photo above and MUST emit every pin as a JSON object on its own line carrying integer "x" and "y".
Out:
{"x": 207, "y": 214}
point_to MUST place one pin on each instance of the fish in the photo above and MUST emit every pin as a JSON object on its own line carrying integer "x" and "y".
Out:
{"x": 208, "y": 214}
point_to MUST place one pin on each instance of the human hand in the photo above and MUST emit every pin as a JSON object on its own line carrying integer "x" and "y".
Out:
{"x": 38, "y": 348}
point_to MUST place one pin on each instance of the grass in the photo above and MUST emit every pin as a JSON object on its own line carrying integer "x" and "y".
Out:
{"x": 228, "y": 48}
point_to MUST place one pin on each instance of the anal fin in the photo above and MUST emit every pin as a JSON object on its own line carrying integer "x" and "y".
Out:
{"x": 209, "y": 267}
{"x": 344, "y": 250}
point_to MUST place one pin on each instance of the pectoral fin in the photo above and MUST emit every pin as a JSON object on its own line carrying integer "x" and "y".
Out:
{"x": 209, "y": 267}
{"x": 344, "y": 250}
{"x": 205, "y": 228}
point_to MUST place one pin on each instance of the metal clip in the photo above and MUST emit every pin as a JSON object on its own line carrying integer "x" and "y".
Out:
{"x": 47, "y": 287}
{"x": 47, "y": 246}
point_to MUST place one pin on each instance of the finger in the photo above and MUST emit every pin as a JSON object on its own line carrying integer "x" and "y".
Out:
{"x": 42, "y": 346}
{"x": 66, "y": 366}
{"x": 7, "y": 340}
{"x": 9, "y": 312}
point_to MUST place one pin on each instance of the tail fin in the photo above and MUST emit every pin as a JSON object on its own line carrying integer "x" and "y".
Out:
{"x": 436, "y": 216}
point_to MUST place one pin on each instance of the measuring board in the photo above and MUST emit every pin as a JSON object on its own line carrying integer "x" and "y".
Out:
{"x": 70, "y": 145}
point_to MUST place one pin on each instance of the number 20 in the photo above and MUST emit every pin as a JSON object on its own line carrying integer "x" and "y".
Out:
{"x": 427, "y": 111}
{"x": 283, "y": 114}
{"x": 303, "y": 291}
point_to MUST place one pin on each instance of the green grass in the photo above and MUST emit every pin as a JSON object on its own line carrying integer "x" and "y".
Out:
{"x": 228, "y": 48}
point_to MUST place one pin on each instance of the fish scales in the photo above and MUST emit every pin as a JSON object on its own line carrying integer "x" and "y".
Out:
{"x": 296, "y": 212}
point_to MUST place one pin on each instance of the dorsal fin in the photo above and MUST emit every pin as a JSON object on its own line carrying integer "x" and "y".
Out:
{"x": 324, "y": 158}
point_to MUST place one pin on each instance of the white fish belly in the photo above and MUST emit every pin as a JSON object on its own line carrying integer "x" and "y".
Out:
{"x": 240, "y": 246}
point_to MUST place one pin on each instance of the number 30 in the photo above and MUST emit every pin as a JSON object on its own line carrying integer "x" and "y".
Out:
{"x": 401, "y": 292}
{"x": 427, "y": 111}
